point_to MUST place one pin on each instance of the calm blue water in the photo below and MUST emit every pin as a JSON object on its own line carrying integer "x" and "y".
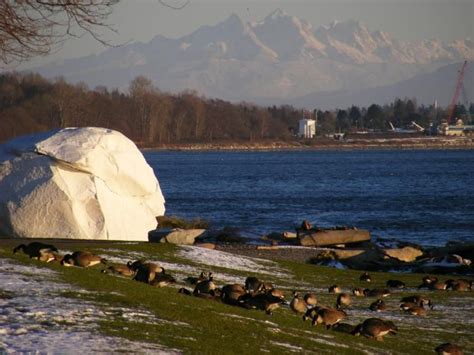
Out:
{"x": 420, "y": 196}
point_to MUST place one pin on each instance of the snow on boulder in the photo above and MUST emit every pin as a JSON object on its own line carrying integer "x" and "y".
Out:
{"x": 78, "y": 183}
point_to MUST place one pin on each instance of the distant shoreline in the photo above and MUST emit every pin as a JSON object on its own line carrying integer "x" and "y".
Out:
{"x": 425, "y": 143}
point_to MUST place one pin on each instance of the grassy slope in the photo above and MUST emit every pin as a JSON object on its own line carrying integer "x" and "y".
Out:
{"x": 211, "y": 327}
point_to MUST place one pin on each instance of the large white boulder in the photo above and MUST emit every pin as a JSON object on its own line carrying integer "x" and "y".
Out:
{"x": 78, "y": 183}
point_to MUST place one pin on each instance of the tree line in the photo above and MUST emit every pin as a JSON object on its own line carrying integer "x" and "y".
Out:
{"x": 30, "y": 103}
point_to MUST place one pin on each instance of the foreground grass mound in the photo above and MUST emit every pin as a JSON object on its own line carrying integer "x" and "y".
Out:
{"x": 142, "y": 313}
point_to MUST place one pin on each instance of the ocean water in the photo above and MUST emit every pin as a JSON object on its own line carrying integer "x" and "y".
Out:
{"x": 426, "y": 197}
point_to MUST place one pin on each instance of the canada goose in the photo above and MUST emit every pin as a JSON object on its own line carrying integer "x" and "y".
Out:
{"x": 119, "y": 269}
{"x": 378, "y": 306}
{"x": 275, "y": 292}
{"x": 412, "y": 308}
{"x": 417, "y": 300}
{"x": 263, "y": 301}
{"x": 35, "y": 249}
{"x": 49, "y": 256}
{"x": 459, "y": 285}
{"x": 144, "y": 272}
{"x": 194, "y": 280}
{"x": 82, "y": 259}
{"x": 230, "y": 294}
{"x": 328, "y": 317}
{"x": 252, "y": 284}
{"x": 395, "y": 284}
{"x": 438, "y": 286}
{"x": 375, "y": 328}
{"x": 162, "y": 279}
{"x": 343, "y": 328}
{"x": 365, "y": 277}
{"x": 377, "y": 292}
{"x": 449, "y": 349}
{"x": 334, "y": 289}
{"x": 427, "y": 281}
{"x": 359, "y": 292}
{"x": 343, "y": 300}
{"x": 311, "y": 313}
{"x": 205, "y": 286}
{"x": 311, "y": 299}
{"x": 297, "y": 304}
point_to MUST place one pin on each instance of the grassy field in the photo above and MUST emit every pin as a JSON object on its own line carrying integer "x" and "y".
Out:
{"x": 194, "y": 325}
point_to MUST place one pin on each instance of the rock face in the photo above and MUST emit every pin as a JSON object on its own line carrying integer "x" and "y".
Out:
{"x": 78, "y": 183}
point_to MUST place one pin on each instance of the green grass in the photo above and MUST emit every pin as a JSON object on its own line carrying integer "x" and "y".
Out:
{"x": 195, "y": 325}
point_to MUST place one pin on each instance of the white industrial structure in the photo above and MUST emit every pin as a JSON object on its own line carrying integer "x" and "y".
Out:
{"x": 306, "y": 128}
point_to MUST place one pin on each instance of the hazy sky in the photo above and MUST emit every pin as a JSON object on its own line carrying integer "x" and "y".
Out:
{"x": 141, "y": 20}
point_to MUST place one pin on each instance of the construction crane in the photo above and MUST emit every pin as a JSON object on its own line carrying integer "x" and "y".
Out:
{"x": 466, "y": 102}
{"x": 454, "y": 101}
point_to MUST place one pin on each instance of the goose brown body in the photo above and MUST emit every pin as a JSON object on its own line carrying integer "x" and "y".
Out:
{"x": 328, "y": 316}
{"x": 231, "y": 293}
{"x": 343, "y": 300}
{"x": 297, "y": 304}
{"x": 119, "y": 269}
{"x": 82, "y": 259}
{"x": 378, "y": 306}
{"x": 449, "y": 349}
{"x": 311, "y": 299}
{"x": 375, "y": 328}
{"x": 144, "y": 272}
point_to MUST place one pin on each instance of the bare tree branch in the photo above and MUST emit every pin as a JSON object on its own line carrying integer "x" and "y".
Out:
{"x": 164, "y": 3}
{"x": 30, "y": 28}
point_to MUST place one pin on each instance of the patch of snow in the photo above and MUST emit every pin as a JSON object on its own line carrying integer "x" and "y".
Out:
{"x": 290, "y": 347}
{"x": 36, "y": 318}
{"x": 231, "y": 261}
{"x": 179, "y": 271}
{"x": 327, "y": 342}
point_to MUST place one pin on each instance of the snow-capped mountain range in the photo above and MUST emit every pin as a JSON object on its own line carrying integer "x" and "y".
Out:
{"x": 279, "y": 58}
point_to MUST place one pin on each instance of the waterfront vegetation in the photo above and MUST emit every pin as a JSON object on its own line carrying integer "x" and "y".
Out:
{"x": 30, "y": 103}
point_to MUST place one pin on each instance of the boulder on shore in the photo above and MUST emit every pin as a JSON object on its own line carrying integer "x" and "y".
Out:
{"x": 77, "y": 183}
{"x": 406, "y": 254}
{"x": 327, "y": 237}
{"x": 176, "y": 235}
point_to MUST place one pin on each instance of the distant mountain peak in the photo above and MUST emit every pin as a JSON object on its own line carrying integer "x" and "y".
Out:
{"x": 232, "y": 20}
{"x": 282, "y": 56}
{"x": 277, "y": 14}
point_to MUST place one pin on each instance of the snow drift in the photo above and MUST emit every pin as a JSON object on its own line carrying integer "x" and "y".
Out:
{"x": 78, "y": 183}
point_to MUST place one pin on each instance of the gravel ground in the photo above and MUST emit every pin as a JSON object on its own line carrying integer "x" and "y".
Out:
{"x": 300, "y": 254}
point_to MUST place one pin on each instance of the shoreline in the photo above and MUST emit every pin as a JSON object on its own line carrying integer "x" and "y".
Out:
{"x": 425, "y": 143}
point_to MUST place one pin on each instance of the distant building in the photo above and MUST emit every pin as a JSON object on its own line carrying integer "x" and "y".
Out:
{"x": 460, "y": 129}
{"x": 306, "y": 128}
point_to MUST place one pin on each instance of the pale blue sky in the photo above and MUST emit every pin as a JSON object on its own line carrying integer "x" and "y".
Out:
{"x": 141, "y": 20}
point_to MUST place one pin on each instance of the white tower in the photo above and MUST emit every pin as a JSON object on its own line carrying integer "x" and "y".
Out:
{"x": 306, "y": 128}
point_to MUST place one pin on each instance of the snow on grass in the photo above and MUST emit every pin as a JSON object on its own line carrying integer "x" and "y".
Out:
{"x": 178, "y": 270}
{"x": 231, "y": 261}
{"x": 288, "y": 347}
{"x": 34, "y": 317}
{"x": 208, "y": 258}
{"x": 253, "y": 320}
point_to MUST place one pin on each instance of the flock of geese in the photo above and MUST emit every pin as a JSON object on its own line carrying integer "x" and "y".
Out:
{"x": 256, "y": 294}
